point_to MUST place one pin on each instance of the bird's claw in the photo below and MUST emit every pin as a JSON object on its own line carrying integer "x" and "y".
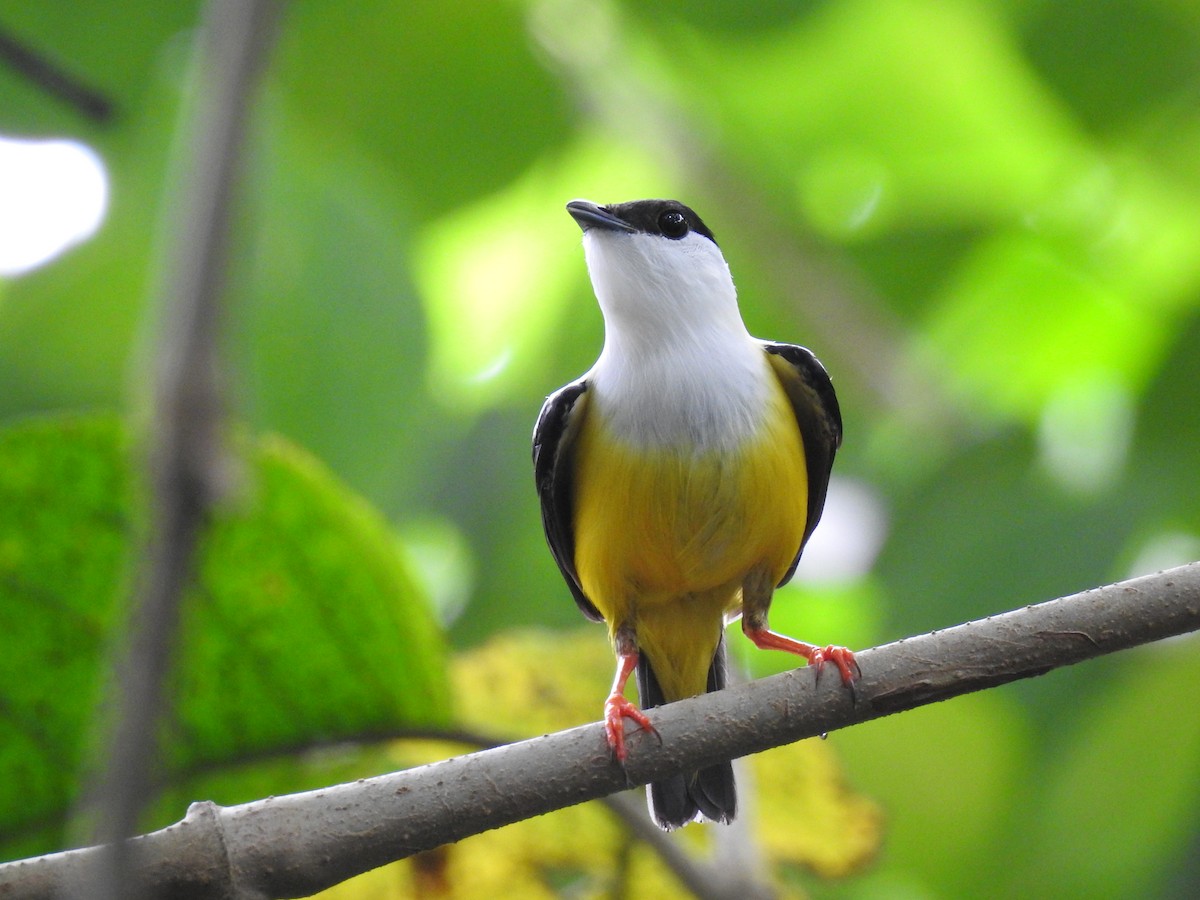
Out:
{"x": 841, "y": 657}
{"x": 617, "y": 709}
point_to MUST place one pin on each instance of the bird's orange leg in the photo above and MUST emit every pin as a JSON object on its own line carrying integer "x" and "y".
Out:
{"x": 617, "y": 707}
{"x": 765, "y": 639}
{"x": 756, "y": 600}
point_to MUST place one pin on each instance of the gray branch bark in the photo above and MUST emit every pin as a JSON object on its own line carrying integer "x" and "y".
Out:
{"x": 296, "y": 845}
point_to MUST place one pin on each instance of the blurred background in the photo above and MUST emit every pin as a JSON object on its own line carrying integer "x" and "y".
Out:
{"x": 983, "y": 216}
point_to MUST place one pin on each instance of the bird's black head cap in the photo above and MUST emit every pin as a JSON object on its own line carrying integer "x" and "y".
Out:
{"x": 666, "y": 218}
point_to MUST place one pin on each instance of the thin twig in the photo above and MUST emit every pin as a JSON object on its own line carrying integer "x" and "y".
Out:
{"x": 52, "y": 78}
{"x": 295, "y": 845}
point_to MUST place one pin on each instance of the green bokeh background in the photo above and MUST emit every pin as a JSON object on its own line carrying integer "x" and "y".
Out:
{"x": 983, "y": 216}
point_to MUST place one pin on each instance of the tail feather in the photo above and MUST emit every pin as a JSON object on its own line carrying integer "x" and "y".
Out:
{"x": 709, "y": 792}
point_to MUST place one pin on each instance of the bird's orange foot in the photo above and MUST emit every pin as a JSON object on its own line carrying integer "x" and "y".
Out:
{"x": 616, "y": 710}
{"x": 816, "y": 656}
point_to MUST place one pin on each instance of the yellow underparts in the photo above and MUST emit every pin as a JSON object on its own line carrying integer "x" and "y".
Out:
{"x": 665, "y": 538}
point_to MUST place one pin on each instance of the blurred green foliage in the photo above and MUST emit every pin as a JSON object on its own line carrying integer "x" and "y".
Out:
{"x": 304, "y": 625}
{"x": 984, "y": 216}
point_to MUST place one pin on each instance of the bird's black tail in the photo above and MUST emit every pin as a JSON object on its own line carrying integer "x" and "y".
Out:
{"x": 709, "y": 792}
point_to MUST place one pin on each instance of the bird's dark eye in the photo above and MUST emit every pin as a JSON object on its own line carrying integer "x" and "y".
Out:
{"x": 672, "y": 224}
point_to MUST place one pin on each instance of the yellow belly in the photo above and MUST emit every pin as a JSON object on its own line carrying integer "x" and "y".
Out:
{"x": 664, "y": 538}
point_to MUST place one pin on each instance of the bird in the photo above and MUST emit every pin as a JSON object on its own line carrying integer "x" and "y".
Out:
{"x": 680, "y": 478}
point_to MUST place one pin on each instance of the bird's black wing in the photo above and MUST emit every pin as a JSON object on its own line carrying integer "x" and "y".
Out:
{"x": 554, "y": 438}
{"x": 809, "y": 389}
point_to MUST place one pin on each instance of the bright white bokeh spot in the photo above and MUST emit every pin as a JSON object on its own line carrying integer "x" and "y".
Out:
{"x": 53, "y": 195}
{"x": 1085, "y": 432}
{"x": 851, "y": 533}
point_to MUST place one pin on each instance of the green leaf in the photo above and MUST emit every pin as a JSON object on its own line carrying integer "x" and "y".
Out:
{"x": 303, "y": 626}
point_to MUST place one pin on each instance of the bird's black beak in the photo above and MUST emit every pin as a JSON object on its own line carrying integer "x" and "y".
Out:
{"x": 589, "y": 215}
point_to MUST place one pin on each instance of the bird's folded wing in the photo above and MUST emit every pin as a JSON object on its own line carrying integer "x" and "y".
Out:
{"x": 815, "y": 404}
{"x": 554, "y": 438}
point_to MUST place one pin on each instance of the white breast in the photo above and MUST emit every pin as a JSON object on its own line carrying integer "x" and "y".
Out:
{"x": 696, "y": 398}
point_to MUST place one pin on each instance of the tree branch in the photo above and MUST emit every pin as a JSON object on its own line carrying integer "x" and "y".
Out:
{"x": 186, "y": 462}
{"x": 298, "y": 844}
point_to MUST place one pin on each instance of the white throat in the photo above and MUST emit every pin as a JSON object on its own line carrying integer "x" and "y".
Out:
{"x": 678, "y": 369}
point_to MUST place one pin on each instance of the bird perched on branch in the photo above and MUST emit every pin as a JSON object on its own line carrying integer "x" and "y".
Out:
{"x": 682, "y": 475}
